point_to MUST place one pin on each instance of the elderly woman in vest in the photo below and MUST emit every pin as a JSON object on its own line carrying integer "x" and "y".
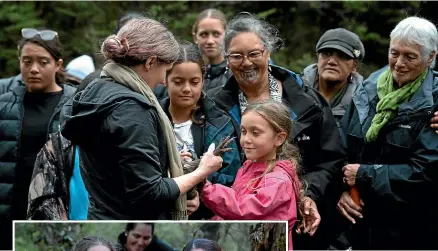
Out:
{"x": 249, "y": 43}
{"x": 392, "y": 150}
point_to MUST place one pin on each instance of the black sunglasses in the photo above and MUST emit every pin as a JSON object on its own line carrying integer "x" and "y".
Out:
{"x": 45, "y": 35}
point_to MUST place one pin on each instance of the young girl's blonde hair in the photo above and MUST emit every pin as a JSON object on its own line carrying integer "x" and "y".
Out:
{"x": 278, "y": 116}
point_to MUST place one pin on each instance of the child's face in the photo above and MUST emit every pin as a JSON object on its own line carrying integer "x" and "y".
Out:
{"x": 258, "y": 139}
{"x": 184, "y": 84}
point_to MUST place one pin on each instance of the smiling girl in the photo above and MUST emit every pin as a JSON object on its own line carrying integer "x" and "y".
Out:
{"x": 267, "y": 186}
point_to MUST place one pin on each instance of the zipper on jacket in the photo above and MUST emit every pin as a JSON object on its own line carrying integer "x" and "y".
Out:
{"x": 407, "y": 118}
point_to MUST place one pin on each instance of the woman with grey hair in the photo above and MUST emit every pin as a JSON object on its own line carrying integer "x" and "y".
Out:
{"x": 249, "y": 43}
{"x": 392, "y": 149}
{"x": 129, "y": 159}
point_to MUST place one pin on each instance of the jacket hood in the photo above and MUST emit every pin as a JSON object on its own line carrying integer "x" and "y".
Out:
{"x": 82, "y": 115}
{"x": 288, "y": 167}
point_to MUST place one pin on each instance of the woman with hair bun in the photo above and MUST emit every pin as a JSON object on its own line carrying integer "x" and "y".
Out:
{"x": 130, "y": 163}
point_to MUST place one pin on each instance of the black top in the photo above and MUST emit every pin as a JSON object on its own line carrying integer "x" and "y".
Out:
{"x": 38, "y": 110}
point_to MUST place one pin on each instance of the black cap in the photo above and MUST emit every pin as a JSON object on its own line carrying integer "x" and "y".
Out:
{"x": 343, "y": 40}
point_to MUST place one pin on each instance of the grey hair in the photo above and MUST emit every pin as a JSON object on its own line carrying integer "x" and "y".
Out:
{"x": 420, "y": 31}
{"x": 140, "y": 39}
{"x": 268, "y": 34}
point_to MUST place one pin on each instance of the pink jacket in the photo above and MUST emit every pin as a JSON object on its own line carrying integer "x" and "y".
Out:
{"x": 271, "y": 197}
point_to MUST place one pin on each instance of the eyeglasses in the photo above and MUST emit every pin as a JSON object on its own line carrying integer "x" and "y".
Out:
{"x": 237, "y": 58}
{"x": 45, "y": 35}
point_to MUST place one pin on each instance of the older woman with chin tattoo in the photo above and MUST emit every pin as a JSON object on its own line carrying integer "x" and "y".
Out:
{"x": 249, "y": 43}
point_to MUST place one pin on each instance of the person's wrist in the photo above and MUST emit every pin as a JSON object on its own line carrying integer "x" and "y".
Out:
{"x": 202, "y": 172}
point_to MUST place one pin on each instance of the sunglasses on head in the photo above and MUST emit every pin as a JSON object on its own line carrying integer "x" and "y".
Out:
{"x": 46, "y": 35}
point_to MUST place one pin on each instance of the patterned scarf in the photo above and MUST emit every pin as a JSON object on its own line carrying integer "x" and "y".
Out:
{"x": 273, "y": 90}
{"x": 390, "y": 99}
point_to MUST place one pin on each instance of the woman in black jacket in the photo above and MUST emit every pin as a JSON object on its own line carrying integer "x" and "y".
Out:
{"x": 30, "y": 105}
{"x": 208, "y": 33}
{"x": 130, "y": 163}
{"x": 249, "y": 43}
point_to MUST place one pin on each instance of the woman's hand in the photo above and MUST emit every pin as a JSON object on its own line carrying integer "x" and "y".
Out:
{"x": 185, "y": 156}
{"x": 311, "y": 217}
{"x": 348, "y": 208}
{"x": 193, "y": 204}
{"x": 350, "y": 172}
{"x": 434, "y": 122}
{"x": 209, "y": 162}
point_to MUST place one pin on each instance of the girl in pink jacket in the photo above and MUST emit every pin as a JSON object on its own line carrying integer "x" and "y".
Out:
{"x": 267, "y": 186}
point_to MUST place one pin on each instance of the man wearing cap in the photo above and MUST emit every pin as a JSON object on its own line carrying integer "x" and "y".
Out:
{"x": 339, "y": 51}
{"x": 334, "y": 75}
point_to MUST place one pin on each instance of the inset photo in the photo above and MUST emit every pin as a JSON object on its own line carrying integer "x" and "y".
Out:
{"x": 150, "y": 236}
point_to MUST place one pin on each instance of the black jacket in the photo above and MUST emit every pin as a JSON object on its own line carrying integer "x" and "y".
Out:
{"x": 216, "y": 75}
{"x": 314, "y": 128}
{"x": 11, "y": 118}
{"x": 88, "y": 79}
{"x": 398, "y": 172}
{"x": 123, "y": 152}
{"x": 155, "y": 245}
{"x": 12, "y": 91}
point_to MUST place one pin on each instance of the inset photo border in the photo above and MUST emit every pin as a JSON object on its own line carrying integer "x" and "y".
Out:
{"x": 150, "y": 235}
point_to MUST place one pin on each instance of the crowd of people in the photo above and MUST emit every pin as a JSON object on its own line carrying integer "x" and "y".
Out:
{"x": 344, "y": 158}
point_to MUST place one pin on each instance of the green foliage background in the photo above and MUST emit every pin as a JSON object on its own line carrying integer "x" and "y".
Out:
{"x": 62, "y": 236}
{"x": 82, "y": 25}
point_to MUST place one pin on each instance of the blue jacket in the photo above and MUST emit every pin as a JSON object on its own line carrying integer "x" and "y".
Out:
{"x": 398, "y": 172}
{"x": 216, "y": 126}
{"x": 78, "y": 209}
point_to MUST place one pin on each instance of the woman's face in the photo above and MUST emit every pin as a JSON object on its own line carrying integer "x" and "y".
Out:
{"x": 155, "y": 72}
{"x": 406, "y": 62}
{"x": 184, "y": 84}
{"x": 335, "y": 66}
{"x": 139, "y": 238}
{"x": 248, "y": 59}
{"x": 210, "y": 38}
{"x": 38, "y": 68}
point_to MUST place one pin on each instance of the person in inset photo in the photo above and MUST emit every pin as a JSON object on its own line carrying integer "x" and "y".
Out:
{"x": 202, "y": 245}
{"x": 93, "y": 243}
{"x": 140, "y": 237}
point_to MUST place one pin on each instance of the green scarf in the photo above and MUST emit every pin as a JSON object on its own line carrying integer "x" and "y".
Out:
{"x": 127, "y": 77}
{"x": 390, "y": 99}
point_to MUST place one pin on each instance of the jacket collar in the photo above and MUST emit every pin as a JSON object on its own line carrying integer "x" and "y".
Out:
{"x": 367, "y": 93}
{"x": 304, "y": 106}
{"x": 215, "y": 70}
{"x": 293, "y": 92}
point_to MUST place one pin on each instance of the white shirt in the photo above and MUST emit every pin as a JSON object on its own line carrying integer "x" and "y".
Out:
{"x": 184, "y": 136}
